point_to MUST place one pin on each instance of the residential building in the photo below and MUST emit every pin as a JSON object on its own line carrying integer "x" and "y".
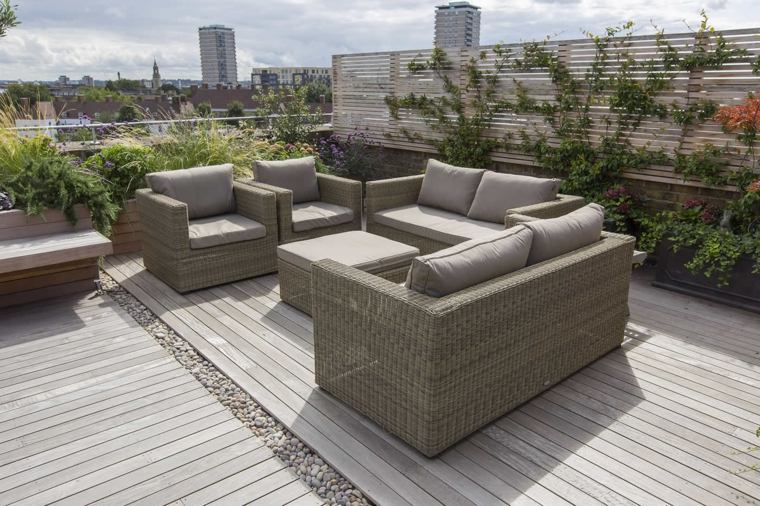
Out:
{"x": 156, "y": 81}
{"x": 218, "y": 60}
{"x": 219, "y": 99}
{"x": 87, "y": 81}
{"x": 457, "y": 25}
{"x": 64, "y": 80}
{"x": 289, "y": 77}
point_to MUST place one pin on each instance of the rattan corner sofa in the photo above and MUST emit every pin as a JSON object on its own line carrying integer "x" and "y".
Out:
{"x": 201, "y": 229}
{"x": 397, "y": 209}
{"x": 433, "y": 369}
{"x": 309, "y": 204}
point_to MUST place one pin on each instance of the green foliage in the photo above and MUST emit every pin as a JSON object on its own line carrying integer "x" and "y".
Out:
{"x": 17, "y": 152}
{"x": 706, "y": 164}
{"x": 54, "y": 182}
{"x": 127, "y": 113}
{"x": 123, "y": 168}
{"x": 354, "y": 156}
{"x": 34, "y": 92}
{"x": 123, "y": 85}
{"x": 8, "y": 17}
{"x": 315, "y": 90}
{"x": 235, "y": 109}
{"x": 168, "y": 87}
{"x": 288, "y": 118}
{"x": 699, "y": 112}
{"x": 92, "y": 94}
{"x": 204, "y": 110}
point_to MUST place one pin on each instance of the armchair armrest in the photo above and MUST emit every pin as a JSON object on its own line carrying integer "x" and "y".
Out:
{"x": 284, "y": 202}
{"x": 560, "y": 206}
{"x": 390, "y": 193}
{"x": 341, "y": 191}
{"x": 256, "y": 203}
{"x": 163, "y": 219}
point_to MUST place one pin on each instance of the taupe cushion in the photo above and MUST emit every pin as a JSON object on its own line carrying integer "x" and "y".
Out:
{"x": 224, "y": 229}
{"x": 311, "y": 215}
{"x": 471, "y": 262}
{"x": 498, "y": 192}
{"x": 298, "y": 175}
{"x": 367, "y": 252}
{"x": 436, "y": 224}
{"x": 207, "y": 191}
{"x": 448, "y": 187}
{"x": 557, "y": 236}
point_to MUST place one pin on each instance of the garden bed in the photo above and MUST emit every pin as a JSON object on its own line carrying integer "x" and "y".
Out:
{"x": 742, "y": 291}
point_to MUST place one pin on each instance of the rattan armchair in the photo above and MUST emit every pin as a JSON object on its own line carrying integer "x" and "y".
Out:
{"x": 332, "y": 190}
{"x": 433, "y": 370}
{"x": 166, "y": 241}
{"x": 403, "y": 191}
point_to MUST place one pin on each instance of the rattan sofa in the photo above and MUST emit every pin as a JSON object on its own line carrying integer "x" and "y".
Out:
{"x": 334, "y": 194}
{"x": 404, "y": 191}
{"x": 167, "y": 251}
{"x": 433, "y": 370}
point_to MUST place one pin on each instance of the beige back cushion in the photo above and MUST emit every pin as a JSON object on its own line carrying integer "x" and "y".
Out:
{"x": 557, "y": 236}
{"x": 207, "y": 191}
{"x": 298, "y": 175}
{"x": 471, "y": 262}
{"x": 498, "y": 192}
{"x": 449, "y": 187}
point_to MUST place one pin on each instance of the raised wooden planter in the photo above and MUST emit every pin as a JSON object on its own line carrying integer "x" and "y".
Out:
{"x": 743, "y": 290}
{"x": 127, "y": 232}
{"x": 46, "y": 256}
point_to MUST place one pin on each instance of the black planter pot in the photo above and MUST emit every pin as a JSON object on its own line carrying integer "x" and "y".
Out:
{"x": 742, "y": 291}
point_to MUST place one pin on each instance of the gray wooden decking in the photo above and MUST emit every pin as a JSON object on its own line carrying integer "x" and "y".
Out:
{"x": 664, "y": 419}
{"x": 92, "y": 409}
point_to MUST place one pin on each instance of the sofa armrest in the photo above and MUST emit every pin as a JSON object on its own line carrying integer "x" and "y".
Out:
{"x": 163, "y": 219}
{"x": 284, "y": 200}
{"x": 256, "y": 203}
{"x": 560, "y": 206}
{"x": 341, "y": 191}
{"x": 390, "y": 193}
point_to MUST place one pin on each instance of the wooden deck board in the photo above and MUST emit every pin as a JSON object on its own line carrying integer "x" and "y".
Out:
{"x": 664, "y": 419}
{"x": 92, "y": 409}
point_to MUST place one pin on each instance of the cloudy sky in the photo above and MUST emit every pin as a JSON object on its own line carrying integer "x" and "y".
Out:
{"x": 101, "y": 37}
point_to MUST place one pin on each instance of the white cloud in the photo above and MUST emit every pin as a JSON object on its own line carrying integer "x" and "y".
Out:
{"x": 101, "y": 39}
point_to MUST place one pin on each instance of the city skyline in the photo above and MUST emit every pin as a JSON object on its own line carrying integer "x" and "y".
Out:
{"x": 100, "y": 39}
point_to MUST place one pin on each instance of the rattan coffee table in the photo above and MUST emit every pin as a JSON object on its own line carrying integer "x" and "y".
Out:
{"x": 368, "y": 252}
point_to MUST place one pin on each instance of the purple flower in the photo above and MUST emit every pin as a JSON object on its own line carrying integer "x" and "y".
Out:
{"x": 108, "y": 165}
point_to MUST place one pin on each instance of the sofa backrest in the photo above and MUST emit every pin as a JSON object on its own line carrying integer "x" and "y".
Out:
{"x": 498, "y": 192}
{"x": 449, "y": 187}
{"x": 471, "y": 262}
{"x": 298, "y": 175}
{"x": 207, "y": 191}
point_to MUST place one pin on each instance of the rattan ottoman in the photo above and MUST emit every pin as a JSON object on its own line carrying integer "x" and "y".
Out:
{"x": 364, "y": 251}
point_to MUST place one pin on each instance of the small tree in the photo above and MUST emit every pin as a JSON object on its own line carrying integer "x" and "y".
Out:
{"x": 7, "y": 17}
{"x": 167, "y": 87}
{"x": 128, "y": 112}
{"x": 235, "y": 110}
{"x": 33, "y": 92}
{"x": 204, "y": 109}
{"x": 288, "y": 117}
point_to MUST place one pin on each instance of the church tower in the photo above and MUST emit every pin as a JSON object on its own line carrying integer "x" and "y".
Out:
{"x": 156, "y": 76}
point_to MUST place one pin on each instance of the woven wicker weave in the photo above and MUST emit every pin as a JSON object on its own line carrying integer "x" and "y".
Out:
{"x": 166, "y": 242}
{"x": 432, "y": 371}
{"x": 332, "y": 189}
{"x": 404, "y": 191}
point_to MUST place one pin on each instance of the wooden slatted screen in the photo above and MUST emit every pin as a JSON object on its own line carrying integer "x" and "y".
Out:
{"x": 362, "y": 81}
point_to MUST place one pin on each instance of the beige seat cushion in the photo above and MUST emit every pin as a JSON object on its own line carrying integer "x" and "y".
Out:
{"x": 224, "y": 229}
{"x": 449, "y": 187}
{"x": 471, "y": 262}
{"x": 311, "y": 215}
{"x": 207, "y": 191}
{"x": 436, "y": 224}
{"x": 557, "y": 236}
{"x": 298, "y": 175}
{"x": 367, "y": 252}
{"x": 498, "y": 192}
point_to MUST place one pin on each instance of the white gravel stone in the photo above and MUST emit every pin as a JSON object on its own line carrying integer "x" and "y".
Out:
{"x": 310, "y": 467}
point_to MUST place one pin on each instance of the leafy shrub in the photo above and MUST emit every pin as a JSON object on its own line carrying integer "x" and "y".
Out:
{"x": 355, "y": 156}
{"x": 56, "y": 182}
{"x": 16, "y": 152}
{"x": 123, "y": 168}
{"x": 288, "y": 117}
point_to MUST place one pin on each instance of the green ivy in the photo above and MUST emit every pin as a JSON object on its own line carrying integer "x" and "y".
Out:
{"x": 706, "y": 164}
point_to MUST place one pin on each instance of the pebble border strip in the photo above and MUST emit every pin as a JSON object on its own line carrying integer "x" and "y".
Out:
{"x": 310, "y": 468}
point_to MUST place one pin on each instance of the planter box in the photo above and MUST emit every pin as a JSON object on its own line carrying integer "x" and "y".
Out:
{"x": 46, "y": 256}
{"x": 127, "y": 232}
{"x": 743, "y": 290}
